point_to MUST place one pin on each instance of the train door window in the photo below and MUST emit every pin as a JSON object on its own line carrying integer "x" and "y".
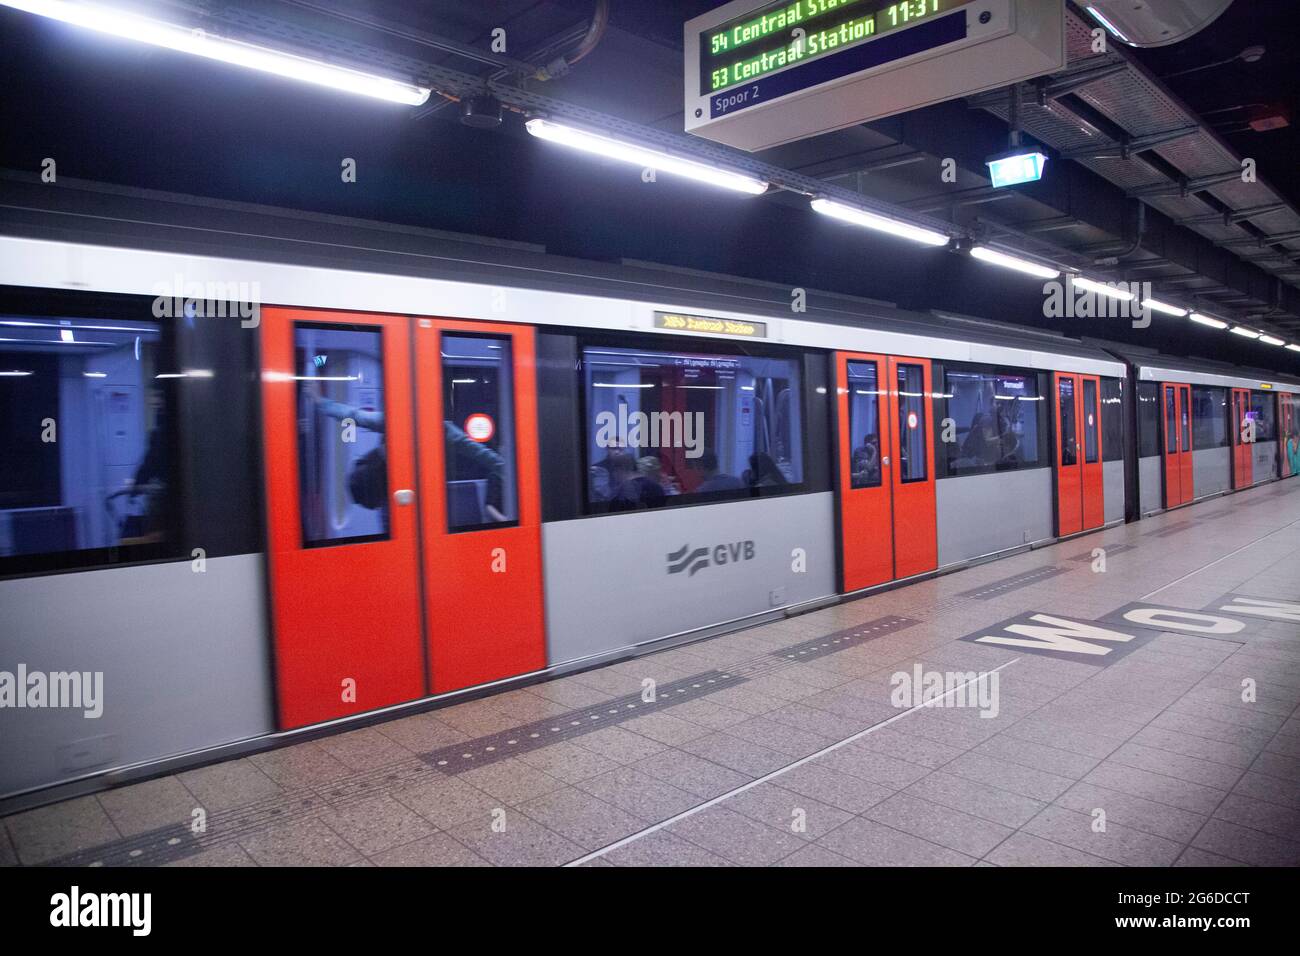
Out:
{"x": 1112, "y": 419}
{"x": 864, "y": 423}
{"x": 1185, "y": 416}
{"x": 911, "y": 422}
{"x": 87, "y": 416}
{"x": 1090, "y": 423}
{"x": 479, "y": 428}
{"x": 342, "y": 457}
{"x": 1210, "y": 417}
{"x": 1171, "y": 420}
{"x": 1069, "y": 432}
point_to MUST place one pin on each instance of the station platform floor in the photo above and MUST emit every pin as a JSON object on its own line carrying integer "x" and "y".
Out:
{"x": 1128, "y": 731}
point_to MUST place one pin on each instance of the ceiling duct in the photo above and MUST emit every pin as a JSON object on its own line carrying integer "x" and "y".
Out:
{"x": 1156, "y": 22}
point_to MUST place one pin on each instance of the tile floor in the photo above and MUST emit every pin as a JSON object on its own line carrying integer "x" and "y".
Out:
{"x": 780, "y": 745}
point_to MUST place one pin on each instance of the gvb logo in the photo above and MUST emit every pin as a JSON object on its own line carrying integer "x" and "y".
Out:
{"x": 692, "y": 560}
{"x": 130, "y": 910}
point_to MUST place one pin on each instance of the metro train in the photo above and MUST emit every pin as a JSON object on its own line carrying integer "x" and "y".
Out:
{"x": 426, "y": 466}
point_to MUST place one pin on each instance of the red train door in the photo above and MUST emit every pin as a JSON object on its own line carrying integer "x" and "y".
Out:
{"x": 887, "y": 506}
{"x": 916, "y": 544}
{"x": 1093, "y": 485}
{"x": 342, "y": 533}
{"x": 1177, "y": 405}
{"x": 476, "y": 408}
{"x": 866, "y": 470}
{"x": 1243, "y": 452}
{"x": 1185, "y": 460}
{"x": 1069, "y": 461}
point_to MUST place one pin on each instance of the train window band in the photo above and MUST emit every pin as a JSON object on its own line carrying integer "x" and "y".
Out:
{"x": 479, "y": 428}
{"x": 999, "y": 420}
{"x": 1263, "y": 411}
{"x": 1148, "y": 402}
{"x": 1112, "y": 419}
{"x": 1091, "y": 426}
{"x": 102, "y": 406}
{"x": 1210, "y": 417}
{"x": 342, "y": 455}
{"x": 666, "y": 427}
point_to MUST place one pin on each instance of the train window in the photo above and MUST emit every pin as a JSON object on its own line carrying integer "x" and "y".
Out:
{"x": 1090, "y": 423}
{"x": 342, "y": 458}
{"x": 864, "y": 424}
{"x": 996, "y": 417}
{"x": 1148, "y": 414}
{"x": 1069, "y": 433}
{"x": 911, "y": 423}
{"x": 1263, "y": 409}
{"x": 1185, "y": 411}
{"x": 1209, "y": 417}
{"x": 479, "y": 425}
{"x": 1112, "y": 419}
{"x": 667, "y": 427}
{"x": 1171, "y": 420}
{"x": 88, "y": 458}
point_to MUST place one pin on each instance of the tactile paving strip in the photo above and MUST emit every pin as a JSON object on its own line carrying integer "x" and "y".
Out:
{"x": 849, "y": 637}
{"x": 500, "y": 746}
{"x": 994, "y": 589}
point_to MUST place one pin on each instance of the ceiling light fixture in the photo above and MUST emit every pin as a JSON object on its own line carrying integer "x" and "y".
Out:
{"x": 200, "y": 43}
{"x": 871, "y": 220}
{"x": 1209, "y": 320}
{"x": 1245, "y": 332}
{"x": 1158, "y": 306}
{"x": 993, "y": 257}
{"x": 643, "y": 156}
{"x": 1101, "y": 288}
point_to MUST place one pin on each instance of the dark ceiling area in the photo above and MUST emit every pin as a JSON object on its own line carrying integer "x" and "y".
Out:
{"x": 116, "y": 112}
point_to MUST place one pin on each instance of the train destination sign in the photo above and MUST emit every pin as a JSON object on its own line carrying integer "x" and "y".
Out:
{"x": 785, "y": 34}
{"x": 758, "y": 74}
{"x": 678, "y": 322}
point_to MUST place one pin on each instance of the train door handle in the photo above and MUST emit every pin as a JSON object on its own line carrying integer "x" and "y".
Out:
{"x": 403, "y": 496}
{"x": 885, "y": 461}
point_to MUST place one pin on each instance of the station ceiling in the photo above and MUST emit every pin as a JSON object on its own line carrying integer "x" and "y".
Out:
{"x": 116, "y": 112}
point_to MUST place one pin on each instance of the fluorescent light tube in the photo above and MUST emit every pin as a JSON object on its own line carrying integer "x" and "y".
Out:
{"x": 1102, "y": 288}
{"x": 1242, "y": 330}
{"x": 996, "y": 258}
{"x": 197, "y": 42}
{"x": 1270, "y": 340}
{"x": 1208, "y": 320}
{"x": 871, "y": 220}
{"x": 1165, "y": 307}
{"x": 1293, "y": 347}
{"x": 627, "y": 152}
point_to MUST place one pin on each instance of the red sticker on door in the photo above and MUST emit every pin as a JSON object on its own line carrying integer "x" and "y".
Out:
{"x": 480, "y": 427}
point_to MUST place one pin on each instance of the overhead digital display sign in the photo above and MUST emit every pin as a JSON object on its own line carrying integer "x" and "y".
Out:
{"x": 758, "y": 73}
{"x": 798, "y": 31}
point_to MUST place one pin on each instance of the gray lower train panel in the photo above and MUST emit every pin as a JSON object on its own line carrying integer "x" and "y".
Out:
{"x": 983, "y": 514}
{"x": 616, "y": 581}
{"x": 1211, "y": 471}
{"x": 183, "y": 657}
{"x": 1112, "y": 480}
